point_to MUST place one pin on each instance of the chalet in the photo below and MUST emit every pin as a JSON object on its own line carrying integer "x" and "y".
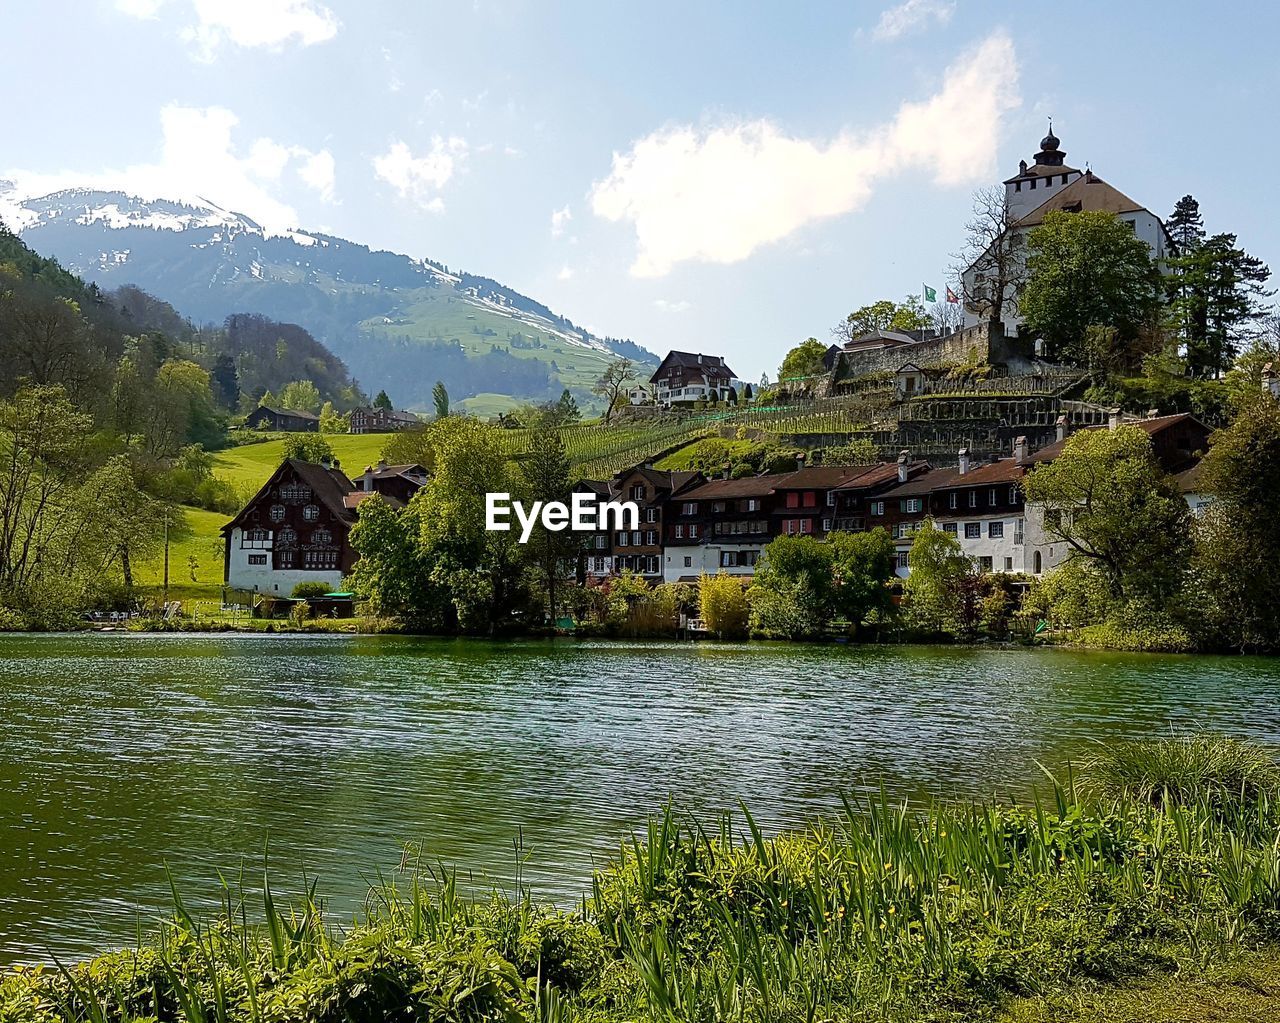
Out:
{"x": 283, "y": 420}
{"x": 296, "y": 528}
{"x": 902, "y": 508}
{"x": 652, "y": 490}
{"x": 397, "y": 483}
{"x": 380, "y": 420}
{"x": 686, "y": 377}
{"x": 718, "y": 525}
{"x": 857, "y": 500}
{"x": 805, "y": 502}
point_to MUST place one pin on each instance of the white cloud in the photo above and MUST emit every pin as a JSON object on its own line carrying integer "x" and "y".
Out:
{"x": 716, "y": 195}
{"x": 250, "y": 23}
{"x": 421, "y": 178}
{"x": 912, "y": 16}
{"x": 565, "y": 274}
{"x": 559, "y": 218}
{"x": 668, "y": 306}
{"x": 199, "y": 160}
{"x": 140, "y": 8}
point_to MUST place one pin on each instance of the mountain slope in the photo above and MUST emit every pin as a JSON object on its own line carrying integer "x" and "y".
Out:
{"x": 399, "y": 323}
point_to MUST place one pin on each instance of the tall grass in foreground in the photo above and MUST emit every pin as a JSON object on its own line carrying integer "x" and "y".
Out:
{"x": 877, "y": 913}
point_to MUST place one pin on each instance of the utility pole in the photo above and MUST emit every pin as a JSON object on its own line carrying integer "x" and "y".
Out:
{"x": 165, "y": 600}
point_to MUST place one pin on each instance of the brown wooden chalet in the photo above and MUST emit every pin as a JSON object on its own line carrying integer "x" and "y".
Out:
{"x": 284, "y": 420}
{"x": 652, "y": 490}
{"x": 690, "y": 377}
{"x": 297, "y": 527}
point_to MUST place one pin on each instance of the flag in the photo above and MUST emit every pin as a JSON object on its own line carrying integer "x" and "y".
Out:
{"x": 951, "y": 295}
{"x": 929, "y": 294}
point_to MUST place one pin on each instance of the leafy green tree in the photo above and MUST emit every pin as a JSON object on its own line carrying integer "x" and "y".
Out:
{"x": 308, "y": 447}
{"x": 383, "y": 402}
{"x": 267, "y": 400}
{"x": 394, "y": 572}
{"x": 862, "y": 564}
{"x": 301, "y": 396}
{"x": 180, "y": 410}
{"x": 1107, "y": 498}
{"x": 937, "y": 567}
{"x": 333, "y": 421}
{"x": 545, "y": 474}
{"x": 1086, "y": 270}
{"x": 885, "y": 314}
{"x": 440, "y": 398}
{"x": 791, "y": 595}
{"x": 804, "y": 360}
{"x": 722, "y": 603}
{"x": 1237, "y": 539}
{"x": 857, "y": 452}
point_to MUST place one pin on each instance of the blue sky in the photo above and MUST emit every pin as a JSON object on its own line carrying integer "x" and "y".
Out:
{"x": 717, "y": 176}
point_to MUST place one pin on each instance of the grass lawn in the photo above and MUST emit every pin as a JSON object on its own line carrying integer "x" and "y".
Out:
{"x": 200, "y": 543}
{"x": 249, "y": 465}
{"x": 683, "y": 458}
{"x": 1246, "y": 991}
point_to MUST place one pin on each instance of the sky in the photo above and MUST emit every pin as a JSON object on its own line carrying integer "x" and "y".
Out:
{"x": 711, "y": 175}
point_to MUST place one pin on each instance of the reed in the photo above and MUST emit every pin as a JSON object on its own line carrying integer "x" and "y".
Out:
{"x": 881, "y": 911}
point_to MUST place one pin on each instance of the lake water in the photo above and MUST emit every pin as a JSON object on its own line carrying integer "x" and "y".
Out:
{"x": 120, "y": 754}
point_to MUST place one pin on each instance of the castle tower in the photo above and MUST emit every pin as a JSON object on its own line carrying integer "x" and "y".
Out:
{"x": 1032, "y": 185}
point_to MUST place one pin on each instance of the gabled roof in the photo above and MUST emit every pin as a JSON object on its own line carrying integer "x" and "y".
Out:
{"x": 748, "y": 486}
{"x": 356, "y": 498}
{"x": 710, "y": 365}
{"x": 926, "y": 482}
{"x": 880, "y": 475}
{"x": 1002, "y": 470}
{"x": 1190, "y": 480}
{"x": 410, "y": 471}
{"x": 1088, "y": 193}
{"x": 661, "y": 479}
{"x": 821, "y": 477}
{"x": 297, "y": 413}
{"x": 1155, "y": 425}
{"x": 880, "y": 339}
{"x": 330, "y": 487}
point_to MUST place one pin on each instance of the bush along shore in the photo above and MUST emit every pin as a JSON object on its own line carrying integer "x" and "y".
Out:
{"x": 1155, "y": 867}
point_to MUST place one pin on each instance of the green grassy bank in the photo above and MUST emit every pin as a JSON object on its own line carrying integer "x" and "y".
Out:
{"x": 1153, "y": 889}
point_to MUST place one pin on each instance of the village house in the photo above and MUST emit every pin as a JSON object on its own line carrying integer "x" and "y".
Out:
{"x": 641, "y": 550}
{"x": 902, "y": 509}
{"x": 380, "y": 420}
{"x": 282, "y": 420}
{"x": 718, "y": 525}
{"x": 984, "y": 508}
{"x": 1178, "y": 442}
{"x": 686, "y": 377}
{"x": 297, "y": 528}
{"x": 595, "y": 561}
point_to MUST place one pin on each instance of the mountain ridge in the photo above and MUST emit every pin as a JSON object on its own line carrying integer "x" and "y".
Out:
{"x": 399, "y": 322}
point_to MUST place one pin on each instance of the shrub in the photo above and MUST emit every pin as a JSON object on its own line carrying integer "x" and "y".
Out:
{"x": 722, "y": 602}
{"x": 1184, "y": 769}
{"x": 307, "y": 590}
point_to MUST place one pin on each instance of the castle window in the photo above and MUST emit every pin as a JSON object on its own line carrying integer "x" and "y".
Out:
{"x": 322, "y": 537}
{"x": 311, "y": 513}
{"x": 295, "y": 492}
{"x": 287, "y": 536}
{"x": 255, "y": 539}
{"x": 277, "y": 513}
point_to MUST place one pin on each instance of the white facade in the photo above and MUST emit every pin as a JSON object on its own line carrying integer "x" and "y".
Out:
{"x": 249, "y": 567}
{"x": 994, "y": 543}
{"x": 702, "y": 391}
{"x": 737, "y": 559}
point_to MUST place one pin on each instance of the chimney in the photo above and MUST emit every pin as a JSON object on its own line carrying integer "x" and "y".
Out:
{"x": 800, "y": 457}
{"x": 904, "y": 458}
{"x": 1022, "y": 166}
{"x": 368, "y": 479}
{"x": 382, "y": 465}
{"x": 964, "y": 461}
{"x": 1061, "y": 424}
{"x": 336, "y": 464}
{"x": 1020, "y": 450}
{"x": 1153, "y": 413}
{"x": 1113, "y": 419}
{"x": 726, "y": 469}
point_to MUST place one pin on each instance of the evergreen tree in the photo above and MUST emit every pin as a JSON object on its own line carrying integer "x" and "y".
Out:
{"x": 225, "y": 381}
{"x": 1185, "y": 225}
{"x": 545, "y": 472}
{"x": 440, "y": 396}
{"x": 567, "y": 408}
{"x": 383, "y": 402}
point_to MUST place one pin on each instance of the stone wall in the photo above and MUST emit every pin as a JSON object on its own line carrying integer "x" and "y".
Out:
{"x": 984, "y": 343}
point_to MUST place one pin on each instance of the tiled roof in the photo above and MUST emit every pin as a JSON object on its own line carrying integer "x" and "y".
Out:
{"x": 1154, "y": 426}
{"x": 822, "y": 476}
{"x": 1088, "y": 193}
{"x": 1003, "y": 470}
{"x": 924, "y": 483}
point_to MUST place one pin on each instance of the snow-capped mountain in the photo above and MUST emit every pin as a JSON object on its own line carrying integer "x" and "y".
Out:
{"x": 399, "y": 323}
